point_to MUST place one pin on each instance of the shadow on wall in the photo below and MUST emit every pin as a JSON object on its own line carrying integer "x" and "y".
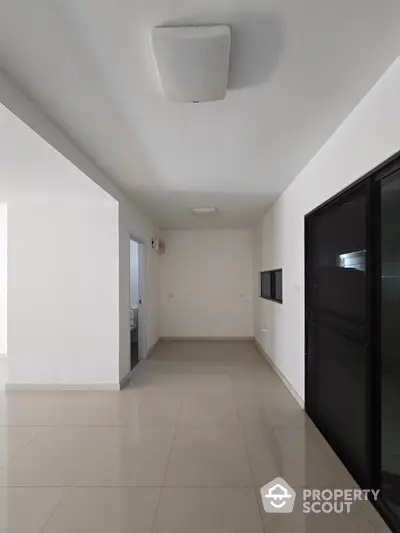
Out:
{"x": 256, "y": 45}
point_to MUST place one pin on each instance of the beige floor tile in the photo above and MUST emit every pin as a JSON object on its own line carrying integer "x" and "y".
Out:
{"x": 13, "y": 440}
{"x": 209, "y": 409}
{"x": 60, "y": 408}
{"x": 298, "y": 522}
{"x": 150, "y": 408}
{"x": 109, "y": 456}
{"x": 264, "y": 453}
{"x": 294, "y": 454}
{"x": 194, "y": 419}
{"x": 26, "y": 510}
{"x": 186, "y": 367}
{"x": 200, "y": 510}
{"x": 182, "y": 382}
{"x": 332, "y": 523}
{"x": 208, "y": 456}
{"x": 259, "y": 382}
{"x": 270, "y": 409}
{"x": 105, "y": 510}
{"x": 216, "y": 352}
{"x": 54, "y": 458}
{"x": 374, "y": 517}
{"x": 92, "y": 408}
{"x": 127, "y": 456}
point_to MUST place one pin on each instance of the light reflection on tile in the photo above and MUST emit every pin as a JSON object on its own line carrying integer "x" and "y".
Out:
{"x": 186, "y": 447}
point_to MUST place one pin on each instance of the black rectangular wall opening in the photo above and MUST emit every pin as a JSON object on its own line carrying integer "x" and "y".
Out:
{"x": 271, "y": 285}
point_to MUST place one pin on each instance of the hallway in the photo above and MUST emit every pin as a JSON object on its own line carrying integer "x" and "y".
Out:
{"x": 185, "y": 448}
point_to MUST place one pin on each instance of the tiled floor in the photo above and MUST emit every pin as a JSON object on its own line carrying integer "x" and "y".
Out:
{"x": 184, "y": 449}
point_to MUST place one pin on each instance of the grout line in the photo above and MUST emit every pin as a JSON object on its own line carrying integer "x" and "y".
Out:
{"x": 242, "y": 427}
{"x": 153, "y": 523}
{"x": 167, "y": 464}
{"x": 89, "y": 426}
{"x": 13, "y": 455}
{"x": 370, "y": 520}
{"x": 57, "y": 506}
{"x": 33, "y": 487}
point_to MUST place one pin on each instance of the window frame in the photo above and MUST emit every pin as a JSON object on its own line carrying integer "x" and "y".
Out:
{"x": 272, "y": 285}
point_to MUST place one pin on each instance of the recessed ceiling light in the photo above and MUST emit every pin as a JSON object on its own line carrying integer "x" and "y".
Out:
{"x": 204, "y": 211}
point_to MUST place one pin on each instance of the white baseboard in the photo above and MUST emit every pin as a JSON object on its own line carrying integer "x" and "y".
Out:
{"x": 287, "y": 384}
{"x": 62, "y": 387}
{"x": 206, "y": 339}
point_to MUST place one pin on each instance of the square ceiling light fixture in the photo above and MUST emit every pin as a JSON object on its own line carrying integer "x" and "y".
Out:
{"x": 204, "y": 211}
{"x": 192, "y": 61}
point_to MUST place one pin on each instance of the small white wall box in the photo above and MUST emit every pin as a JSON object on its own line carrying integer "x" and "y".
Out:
{"x": 192, "y": 61}
{"x": 157, "y": 246}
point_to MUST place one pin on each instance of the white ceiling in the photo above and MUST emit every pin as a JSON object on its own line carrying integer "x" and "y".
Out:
{"x": 298, "y": 67}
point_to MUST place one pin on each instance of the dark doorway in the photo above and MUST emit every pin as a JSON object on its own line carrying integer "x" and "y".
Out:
{"x": 337, "y": 325}
{"x": 352, "y": 354}
{"x": 134, "y": 342}
{"x": 135, "y": 301}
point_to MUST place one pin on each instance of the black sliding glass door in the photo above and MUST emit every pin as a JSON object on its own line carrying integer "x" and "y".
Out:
{"x": 390, "y": 342}
{"x": 352, "y": 275}
{"x": 336, "y": 323}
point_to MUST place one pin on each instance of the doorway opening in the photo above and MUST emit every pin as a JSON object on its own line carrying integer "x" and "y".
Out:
{"x": 137, "y": 322}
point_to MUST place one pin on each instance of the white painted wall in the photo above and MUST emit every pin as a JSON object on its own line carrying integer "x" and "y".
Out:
{"x": 370, "y": 135}
{"x": 3, "y": 279}
{"x": 134, "y": 275}
{"x": 63, "y": 302}
{"x": 206, "y": 284}
{"x": 131, "y": 220}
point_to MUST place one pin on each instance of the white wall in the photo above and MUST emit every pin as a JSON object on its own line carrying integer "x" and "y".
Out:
{"x": 134, "y": 273}
{"x": 368, "y": 136}
{"x": 63, "y": 305}
{"x": 206, "y": 285}
{"x": 131, "y": 220}
{"x": 3, "y": 279}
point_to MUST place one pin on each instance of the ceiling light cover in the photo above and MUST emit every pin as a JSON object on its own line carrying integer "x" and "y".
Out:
{"x": 192, "y": 61}
{"x": 204, "y": 211}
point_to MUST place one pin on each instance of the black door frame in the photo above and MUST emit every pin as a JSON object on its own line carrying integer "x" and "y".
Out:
{"x": 374, "y": 357}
